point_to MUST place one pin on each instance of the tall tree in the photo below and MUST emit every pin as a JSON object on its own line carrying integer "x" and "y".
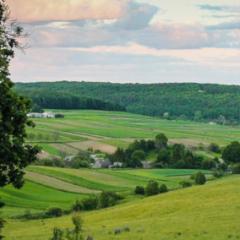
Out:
{"x": 15, "y": 155}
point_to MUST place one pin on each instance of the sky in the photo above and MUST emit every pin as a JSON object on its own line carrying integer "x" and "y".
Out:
{"x": 136, "y": 41}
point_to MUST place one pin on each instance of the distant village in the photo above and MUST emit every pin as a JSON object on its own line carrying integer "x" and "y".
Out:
{"x": 45, "y": 115}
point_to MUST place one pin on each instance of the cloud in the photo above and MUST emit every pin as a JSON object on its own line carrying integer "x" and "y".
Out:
{"x": 225, "y": 25}
{"x": 136, "y": 16}
{"x": 65, "y": 10}
{"x": 203, "y": 56}
{"x": 219, "y": 8}
{"x": 210, "y": 7}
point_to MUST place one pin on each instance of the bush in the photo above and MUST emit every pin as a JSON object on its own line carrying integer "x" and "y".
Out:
{"x": 163, "y": 188}
{"x": 90, "y": 203}
{"x": 152, "y": 188}
{"x": 139, "y": 190}
{"x": 54, "y": 212}
{"x": 208, "y": 164}
{"x": 59, "y": 115}
{"x": 108, "y": 199}
{"x": 200, "y": 178}
{"x": 185, "y": 184}
{"x": 77, "y": 206}
{"x": 213, "y": 147}
{"x": 218, "y": 173}
{"x": 236, "y": 169}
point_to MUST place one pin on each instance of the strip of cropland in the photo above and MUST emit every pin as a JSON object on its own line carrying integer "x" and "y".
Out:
{"x": 100, "y": 130}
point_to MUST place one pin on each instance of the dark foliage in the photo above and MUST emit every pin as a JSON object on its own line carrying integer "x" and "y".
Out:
{"x": 139, "y": 190}
{"x": 201, "y": 102}
{"x": 231, "y": 153}
{"x": 15, "y": 155}
{"x": 163, "y": 188}
{"x": 152, "y": 188}
{"x": 108, "y": 199}
{"x": 236, "y": 168}
{"x": 200, "y": 178}
{"x": 185, "y": 184}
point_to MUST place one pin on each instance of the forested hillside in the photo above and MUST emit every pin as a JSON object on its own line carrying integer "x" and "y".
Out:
{"x": 201, "y": 102}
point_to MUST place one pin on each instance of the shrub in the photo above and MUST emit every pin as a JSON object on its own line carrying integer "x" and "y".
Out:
{"x": 77, "y": 206}
{"x": 108, "y": 199}
{"x": 231, "y": 153}
{"x": 54, "y": 212}
{"x": 59, "y": 115}
{"x": 185, "y": 184}
{"x": 213, "y": 147}
{"x": 139, "y": 190}
{"x": 163, "y": 188}
{"x": 236, "y": 169}
{"x": 208, "y": 164}
{"x": 90, "y": 203}
{"x": 218, "y": 173}
{"x": 200, "y": 178}
{"x": 152, "y": 188}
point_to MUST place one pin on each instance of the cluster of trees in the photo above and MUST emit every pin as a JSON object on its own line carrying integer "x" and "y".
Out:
{"x": 81, "y": 160}
{"x": 104, "y": 200}
{"x": 168, "y": 156}
{"x": 200, "y": 102}
{"x": 151, "y": 189}
{"x": 231, "y": 156}
{"x": 69, "y": 101}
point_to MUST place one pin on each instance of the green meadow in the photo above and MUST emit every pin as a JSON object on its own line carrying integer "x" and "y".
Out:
{"x": 48, "y": 187}
{"x": 198, "y": 213}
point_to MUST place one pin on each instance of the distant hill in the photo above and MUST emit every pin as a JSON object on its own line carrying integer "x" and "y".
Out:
{"x": 201, "y": 102}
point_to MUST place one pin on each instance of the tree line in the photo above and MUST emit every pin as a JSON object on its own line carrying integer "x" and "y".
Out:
{"x": 200, "y": 102}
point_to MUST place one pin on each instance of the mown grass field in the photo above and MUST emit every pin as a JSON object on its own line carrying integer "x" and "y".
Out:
{"x": 105, "y": 131}
{"x": 48, "y": 187}
{"x": 198, "y": 213}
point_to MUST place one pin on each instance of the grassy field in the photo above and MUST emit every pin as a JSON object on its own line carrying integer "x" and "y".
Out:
{"x": 106, "y": 130}
{"x": 57, "y": 187}
{"x": 198, "y": 213}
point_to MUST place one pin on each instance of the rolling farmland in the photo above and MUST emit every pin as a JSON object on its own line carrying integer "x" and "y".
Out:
{"x": 105, "y": 131}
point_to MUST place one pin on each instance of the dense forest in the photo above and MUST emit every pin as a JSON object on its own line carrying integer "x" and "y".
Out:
{"x": 200, "y": 102}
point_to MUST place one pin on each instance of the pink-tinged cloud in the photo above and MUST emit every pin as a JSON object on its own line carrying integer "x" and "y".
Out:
{"x": 207, "y": 56}
{"x": 65, "y": 10}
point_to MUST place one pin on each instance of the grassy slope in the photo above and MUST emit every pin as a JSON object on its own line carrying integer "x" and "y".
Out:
{"x": 56, "y": 187}
{"x": 198, "y": 213}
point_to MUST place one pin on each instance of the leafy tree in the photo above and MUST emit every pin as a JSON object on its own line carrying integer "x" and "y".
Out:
{"x": 78, "y": 224}
{"x": 161, "y": 141}
{"x": 208, "y": 164}
{"x": 139, "y": 190}
{"x": 185, "y": 184}
{"x": 152, "y": 188}
{"x": 200, "y": 178}
{"x": 137, "y": 157}
{"x": 163, "y": 188}
{"x": 231, "y": 153}
{"x": 118, "y": 156}
{"x": 213, "y": 147}
{"x": 58, "y": 234}
{"x": 178, "y": 152}
{"x": 236, "y": 168}
{"x": 108, "y": 199}
{"x": 15, "y": 155}
{"x": 163, "y": 156}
